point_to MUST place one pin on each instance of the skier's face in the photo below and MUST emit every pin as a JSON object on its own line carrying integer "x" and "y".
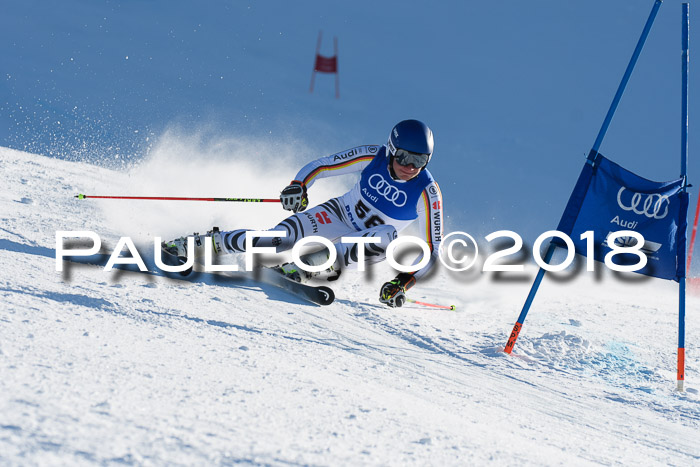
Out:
{"x": 405, "y": 172}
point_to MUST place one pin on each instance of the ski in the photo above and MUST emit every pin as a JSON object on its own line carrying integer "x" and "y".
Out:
{"x": 320, "y": 295}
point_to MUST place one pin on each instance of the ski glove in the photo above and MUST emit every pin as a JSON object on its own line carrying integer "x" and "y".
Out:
{"x": 293, "y": 198}
{"x": 393, "y": 293}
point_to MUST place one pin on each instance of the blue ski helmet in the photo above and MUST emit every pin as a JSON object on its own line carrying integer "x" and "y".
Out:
{"x": 410, "y": 139}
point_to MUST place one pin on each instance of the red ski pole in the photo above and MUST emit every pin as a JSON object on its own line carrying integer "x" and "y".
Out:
{"x": 432, "y": 305}
{"x": 177, "y": 198}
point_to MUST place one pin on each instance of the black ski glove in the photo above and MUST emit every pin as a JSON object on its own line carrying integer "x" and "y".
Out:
{"x": 293, "y": 198}
{"x": 393, "y": 293}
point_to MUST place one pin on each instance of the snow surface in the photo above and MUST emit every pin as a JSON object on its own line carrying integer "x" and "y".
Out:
{"x": 127, "y": 367}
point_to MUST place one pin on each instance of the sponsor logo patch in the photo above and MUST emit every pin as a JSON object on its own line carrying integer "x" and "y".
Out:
{"x": 651, "y": 205}
{"x": 345, "y": 155}
{"x": 388, "y": 191}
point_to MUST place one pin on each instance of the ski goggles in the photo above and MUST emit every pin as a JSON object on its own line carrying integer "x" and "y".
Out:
{"x": 404, "y": 158}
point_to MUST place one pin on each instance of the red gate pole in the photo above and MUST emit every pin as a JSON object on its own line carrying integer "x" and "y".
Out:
{"x": 318, "y": 50}
{"x": 337, "y": 69}
{"x": 692, "y": 237}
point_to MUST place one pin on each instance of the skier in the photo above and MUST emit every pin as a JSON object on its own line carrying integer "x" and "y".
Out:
{"x": 395, "y": 189}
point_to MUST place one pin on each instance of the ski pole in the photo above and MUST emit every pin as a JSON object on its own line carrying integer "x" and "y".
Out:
{"x": 176, "y": 198}
{"x": 432, "y": 305}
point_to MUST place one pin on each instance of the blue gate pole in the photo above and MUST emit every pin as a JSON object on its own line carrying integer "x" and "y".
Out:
{"x": 626, "y": 76}
{"x": 594, "y": 151}
{"x": 684, "y": 169}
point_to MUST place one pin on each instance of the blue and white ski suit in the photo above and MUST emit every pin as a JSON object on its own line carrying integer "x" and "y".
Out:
{"x": 376, "y": 206}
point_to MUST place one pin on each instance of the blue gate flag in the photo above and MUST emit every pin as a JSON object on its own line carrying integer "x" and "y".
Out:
{"x": 608, "y": 198}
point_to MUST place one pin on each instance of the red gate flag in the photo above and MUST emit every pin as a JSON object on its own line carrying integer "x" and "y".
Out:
{"x": 326, "y": 64}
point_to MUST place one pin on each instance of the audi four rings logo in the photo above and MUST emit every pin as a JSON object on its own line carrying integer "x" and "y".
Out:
{"x": 392, "y": 194}
{"x": 651, "y": 206}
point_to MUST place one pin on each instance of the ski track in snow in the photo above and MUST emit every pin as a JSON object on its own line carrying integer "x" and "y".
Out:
{"x": 127, "y": 367}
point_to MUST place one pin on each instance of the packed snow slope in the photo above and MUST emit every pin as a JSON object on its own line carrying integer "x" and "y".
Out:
{"x": 128, "y": 367}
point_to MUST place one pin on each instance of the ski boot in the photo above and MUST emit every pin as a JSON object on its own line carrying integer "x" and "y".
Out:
{"x": 294, "y": 272}
{"x": 176, "y": 252}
